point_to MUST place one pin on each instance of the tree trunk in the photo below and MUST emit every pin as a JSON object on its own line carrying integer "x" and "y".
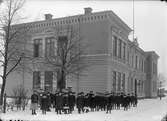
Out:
{"x": 2, "y": 90}
{"x": 63, "y": 81}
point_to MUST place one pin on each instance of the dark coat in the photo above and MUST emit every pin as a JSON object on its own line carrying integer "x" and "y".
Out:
{"x": 71, "y": 100}
{"x": 65, "y": 101}
{"x": 80, "y": 101}
{"x": 34, "y": 98}
{"x": 59, "y": 102}
{"x": 44, "y": 102}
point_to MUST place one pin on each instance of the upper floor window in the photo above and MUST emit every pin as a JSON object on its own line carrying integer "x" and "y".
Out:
{"x": 136, "y": 62}
{"x": 37, "y": 47}
{"x": 154, "y": 68}
{"x": 119, "y": 48}
{"x": 62, "y": 45}
{"x": 142, "y": 65}
{"x": 124, "y": 51}
{"x": 132, "y": 61}
{"x": 114, "y": 45}
{"x": 128, "y": 54}
{"x": 49, "y": 46}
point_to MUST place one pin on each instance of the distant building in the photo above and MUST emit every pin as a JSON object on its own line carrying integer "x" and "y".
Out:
{"x": 119, "y": 64}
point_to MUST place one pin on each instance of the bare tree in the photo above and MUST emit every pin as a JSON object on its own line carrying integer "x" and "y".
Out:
{"x": 69, "y": 57}
{"x": 161, "y": 83}
{"x": 162, "y": 80}
{"x": 20, "y": 96}
{"x": 11, "y": 40}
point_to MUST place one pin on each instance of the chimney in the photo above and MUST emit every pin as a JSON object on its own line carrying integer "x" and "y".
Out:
{"x": 48, "y": 16}
{"x": 88, "y": 10}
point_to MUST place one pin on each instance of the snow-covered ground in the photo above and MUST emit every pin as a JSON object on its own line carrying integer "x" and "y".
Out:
{"x": 147, "y": 110}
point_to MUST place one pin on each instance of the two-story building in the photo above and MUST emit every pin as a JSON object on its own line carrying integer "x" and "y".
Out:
{"x": 117, "y": 64}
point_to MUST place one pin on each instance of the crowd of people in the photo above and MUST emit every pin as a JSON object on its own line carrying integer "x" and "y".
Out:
{"x": 65, "y": 102}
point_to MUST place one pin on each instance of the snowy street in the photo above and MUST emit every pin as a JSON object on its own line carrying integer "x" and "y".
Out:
{"x": 147, "y": 110}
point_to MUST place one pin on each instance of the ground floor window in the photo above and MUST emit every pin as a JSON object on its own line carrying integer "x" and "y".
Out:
{"x": 123, "y": 81}
{"x": 36, "y": 80}
{"x": 114, "y": 81}
{"x": 48, "y": 83}
{"x": 118, "y": 81}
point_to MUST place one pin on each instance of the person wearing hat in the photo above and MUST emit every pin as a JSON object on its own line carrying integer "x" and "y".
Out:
{"x": 34, "y": 102}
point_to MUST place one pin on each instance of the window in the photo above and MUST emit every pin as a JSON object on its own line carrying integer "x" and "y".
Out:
{"x": 123, "y": 81}
{"x": 142, "y": 65}
{"x": 145, "y": 64}
{"x": 115, "y": 46}
{"x": 154, "y": 68}
{"x": 91, "y": 17}
{"x": 132, "y": 85}
{"x": 128, "y": 56}
{"x": 114, "y": 81}
{"x": 36, "y": 80}
{"x": 136, "y": 62}
{"x": 132, "y": 61}
{"x": 62, "y": 45}
{"x": 49, "y": 47}
{"x": 119, "y": 81}
{"x": 119, "y": 48}
{"x": 48, "y": 80}
{"x": 124, "y": 51}
{"x": 37, "y": 47}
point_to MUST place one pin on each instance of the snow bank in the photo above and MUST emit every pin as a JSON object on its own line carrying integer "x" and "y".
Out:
{"x": 147, "y": 110}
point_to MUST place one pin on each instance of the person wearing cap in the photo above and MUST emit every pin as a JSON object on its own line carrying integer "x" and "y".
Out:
{"x": 48, "y": 100}
{"x": 65, "y": 103}
{"x": 111, "y": 101}
{"x": 91, "y": 100}
{"x": 108, "y": 98}
{"x": 124, "y": 104}
{"x": 80, "y": 102}
{"x": 59, "y": 103}
{"x": 55, "y": 96}
{"x": 44, "y": 103}
{"x": 71, "y": 100}
{"x": 86, "y": 103}
{"x": 34, "y": 102}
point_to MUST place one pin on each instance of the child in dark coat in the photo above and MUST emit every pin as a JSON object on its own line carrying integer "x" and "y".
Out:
{"x": 44, "y": 103}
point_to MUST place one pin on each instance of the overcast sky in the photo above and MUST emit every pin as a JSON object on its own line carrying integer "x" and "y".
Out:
{"x": 150, "y": 19}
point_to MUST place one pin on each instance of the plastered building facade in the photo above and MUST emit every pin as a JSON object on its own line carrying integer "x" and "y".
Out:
{"x": 117, "y": 64}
